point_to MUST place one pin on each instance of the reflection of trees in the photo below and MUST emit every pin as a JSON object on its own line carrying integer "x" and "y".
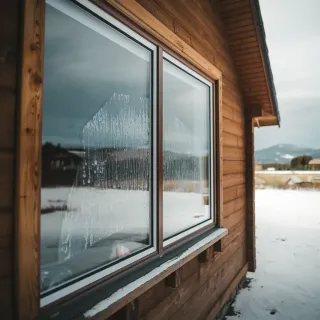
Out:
{"x": 117, "y": 168}
{"x": 59, "y": 165}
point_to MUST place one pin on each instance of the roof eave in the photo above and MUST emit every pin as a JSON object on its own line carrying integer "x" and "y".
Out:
{"x": 265, "y": 54}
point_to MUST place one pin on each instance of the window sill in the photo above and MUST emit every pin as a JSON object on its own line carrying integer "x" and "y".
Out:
{"x": 129, "y": 292}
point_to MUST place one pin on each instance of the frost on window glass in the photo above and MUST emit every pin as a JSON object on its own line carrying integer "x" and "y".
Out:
{"x": 96, "y": 149}
{"x": 186, "y": 150}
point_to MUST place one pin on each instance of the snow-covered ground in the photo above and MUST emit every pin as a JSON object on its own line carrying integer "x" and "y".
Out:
{"x": 281, "y": 172}
{"x": 286, "y": 284}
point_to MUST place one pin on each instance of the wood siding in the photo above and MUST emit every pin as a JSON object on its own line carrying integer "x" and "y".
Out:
{"x": 9, "y": 52}
{"x": 200, "y": 288}
{"x": 204, "y": 287}
{"x": 245, "y": 44}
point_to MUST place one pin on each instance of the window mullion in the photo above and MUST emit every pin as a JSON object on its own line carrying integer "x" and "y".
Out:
{"x": 160, "y": 150}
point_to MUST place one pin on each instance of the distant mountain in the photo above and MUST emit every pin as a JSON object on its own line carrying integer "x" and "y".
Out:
{"x": 283, "y": 153}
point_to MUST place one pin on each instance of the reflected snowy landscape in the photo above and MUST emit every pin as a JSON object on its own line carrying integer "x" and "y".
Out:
{"x": 286, "y": 284}
{"x": 82, "y": 227}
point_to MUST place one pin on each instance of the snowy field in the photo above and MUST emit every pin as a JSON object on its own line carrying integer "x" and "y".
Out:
{"x": 286, "y": 284}
{"x": 83, "y": 228}
{"x": 289, "y": 172}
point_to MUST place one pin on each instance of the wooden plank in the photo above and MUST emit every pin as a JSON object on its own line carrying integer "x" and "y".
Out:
{"x": 233, "y": 6}
{"x": 230, "y": 140}
{"x": 240, "y": 52}
{"x": 172, "y": 303}
{"x": 241, "y": 142}
{"x": 206, "y": 255}
{"x": 241, "y": 30}
{"x": 236, "y": 41}
{"x": 7, "y": 70}
{"x": 6, "y": 181}
{"x": 233, "y": 167}
{"x": 234, "y": 179}
{"x": 229, "y": 194}
{"x": 28, "y": 172}
{"x": 252, "y": 76}
{"x": 239, "y": 119}
{"x": 239, "y": 17}
{"x": 235, "y": 12}
{"x": 235, "y": 217}
{"x": 134, "y": 11}
{"x": 174, "y": 279}
{"x": 252, "y": 68}
{"x": 161, "y": 276}
{"x": 205, "y": 38}
{"x": 256, "y": 88}
{"x": 231, "y": 153}
{"x": 235, "y": 231}
{"x": 182, "y": 32}
{"x": 232, "y": 127}
{"x": 227, "y": 293}
{"x": 6, "y": 230}
{"x": 6, "y": 306}
{"x": 6, "y": 265}
{"x": 268, "y": 121}
{"x": 7, "y": 125}
{"x": 232, "y": 207}
{"x": 211, "y": 290}
{"x": 159, "y": 12}
{"x": 249, "y": 56}
{"x": 260, "y": 94}
{"x": 227, "y": 111}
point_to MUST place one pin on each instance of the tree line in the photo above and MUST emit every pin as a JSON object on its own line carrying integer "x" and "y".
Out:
{"x": 297, "y": 163}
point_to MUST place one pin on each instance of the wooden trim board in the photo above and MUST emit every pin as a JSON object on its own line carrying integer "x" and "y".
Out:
{"x": 135, "y": 12}
{"x": 28, "y": 182}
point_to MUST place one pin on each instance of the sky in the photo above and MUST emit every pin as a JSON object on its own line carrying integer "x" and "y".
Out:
{"x": 97, "y": 88}
{"x": 293, "y": 38}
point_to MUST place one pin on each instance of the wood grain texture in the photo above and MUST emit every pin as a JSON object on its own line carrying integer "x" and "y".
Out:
{"x": 148, "y": 22}
{"x": 246, "y": 45}
{"x": 169, "y": 305}
{"x": 225, "y": 296}
{"x": 28, "y": 166}
{"x": 9, "y": 52}
{"x": 204, "y": 44}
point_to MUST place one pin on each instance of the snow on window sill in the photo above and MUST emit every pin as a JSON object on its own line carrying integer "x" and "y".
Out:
{"x": 142, "y": 284}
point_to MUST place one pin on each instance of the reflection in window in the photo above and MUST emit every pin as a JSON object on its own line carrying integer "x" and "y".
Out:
{"x": 186, "y": 140}
{"x": 96, "y": 147}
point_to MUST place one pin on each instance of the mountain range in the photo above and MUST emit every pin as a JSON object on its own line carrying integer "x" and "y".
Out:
{"x": 283, "y": 153}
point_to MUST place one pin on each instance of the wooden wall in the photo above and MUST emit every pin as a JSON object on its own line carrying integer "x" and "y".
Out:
{"x": 9, "y": 43}
{"x": 205, "y": 287}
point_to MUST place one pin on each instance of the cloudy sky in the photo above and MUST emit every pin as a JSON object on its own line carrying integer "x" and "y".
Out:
{"x": 293, "y": 38}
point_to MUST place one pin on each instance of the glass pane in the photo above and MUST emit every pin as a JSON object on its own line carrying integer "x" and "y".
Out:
{"x": 186, "y": 141}
{"x": 96, "y": 148}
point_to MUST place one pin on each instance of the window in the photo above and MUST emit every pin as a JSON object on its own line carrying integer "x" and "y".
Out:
{"x": 186, "y": 154}
{"x": 99, "y": 153}
{"x": 96, "y": 197}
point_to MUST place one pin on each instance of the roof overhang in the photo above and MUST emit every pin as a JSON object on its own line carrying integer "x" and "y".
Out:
{"x": 247, "y": 40}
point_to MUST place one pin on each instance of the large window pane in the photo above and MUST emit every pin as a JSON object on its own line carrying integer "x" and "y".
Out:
{"x": 186, "y": 140}
{"x": 96, "y": 147}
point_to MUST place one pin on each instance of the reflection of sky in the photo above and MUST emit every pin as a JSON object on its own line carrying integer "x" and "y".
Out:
{"x": 82, "y": 72}
{"x": 186, "y": 112}
{"x": 85, "y": 71}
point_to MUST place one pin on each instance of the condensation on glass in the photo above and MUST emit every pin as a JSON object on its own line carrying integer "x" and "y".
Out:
{"x": 186, "y": 150}
{"x": 96, "y": 148}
